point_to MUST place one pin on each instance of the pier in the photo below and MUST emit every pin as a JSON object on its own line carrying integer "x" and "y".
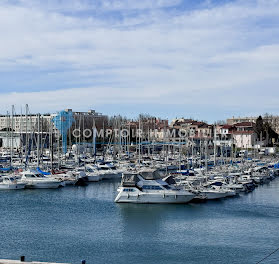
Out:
{"x": 11, "y": 261}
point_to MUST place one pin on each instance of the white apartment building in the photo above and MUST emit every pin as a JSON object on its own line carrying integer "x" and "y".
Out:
{"x": 21, "y": 123}
{"x": 244, "y": 139}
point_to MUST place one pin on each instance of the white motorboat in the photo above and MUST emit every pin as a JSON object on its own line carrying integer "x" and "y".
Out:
{"x": 108, "y": 171}
{"x": 238, "y": 188}
{"x": 66, "y": 178}
{"x": 11, "y": 183}
{"x": 36, "y": 180}
{"x": 214, "y": 193}
{"x": 92, "y": 174}
{"x": 148, "y": 187}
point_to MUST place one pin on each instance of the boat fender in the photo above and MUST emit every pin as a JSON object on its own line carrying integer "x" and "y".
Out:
{"x": 128, "y": 196}
{"x": 164, "y": 196}
{"x": 175, "y": 197}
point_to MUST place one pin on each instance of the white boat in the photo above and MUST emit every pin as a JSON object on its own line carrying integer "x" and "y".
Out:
{"x": 36, "y": 180}
{"x": 92, "y": 174}
{"x": 148, "y": 187}
{"x": 216, "y": 193}
{"x": 11, "y": 183}
{"x": 237, "y": 187}
{"x": 108, "y": 171}
{"x": 67, "y": 178}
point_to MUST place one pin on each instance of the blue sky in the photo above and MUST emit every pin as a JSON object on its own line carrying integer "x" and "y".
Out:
{"x": 208, "y": 59}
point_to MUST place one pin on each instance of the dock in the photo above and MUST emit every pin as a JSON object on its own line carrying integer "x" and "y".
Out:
{"x": 10, "y": 261}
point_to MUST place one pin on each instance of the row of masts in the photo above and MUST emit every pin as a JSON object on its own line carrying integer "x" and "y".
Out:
{"x": 36, "y": 138}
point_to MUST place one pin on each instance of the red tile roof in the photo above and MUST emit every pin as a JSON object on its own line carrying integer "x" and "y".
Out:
{"x": 245, "y": 124}
{"x": 226, "y": 126}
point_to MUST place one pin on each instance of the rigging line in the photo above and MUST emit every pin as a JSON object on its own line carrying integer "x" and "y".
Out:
{"x": 268, "y": 256}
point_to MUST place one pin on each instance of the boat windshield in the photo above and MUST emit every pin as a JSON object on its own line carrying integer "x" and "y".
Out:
{"x": 30, "y": 175}
{"x": 150, "y": 175}
{"x": 129, "y": 180}
{"x": 103, "y": 168}
{"x": 35, "y": 175}
{"x": 40, "y": 175}
{"x": 151, "y": 187}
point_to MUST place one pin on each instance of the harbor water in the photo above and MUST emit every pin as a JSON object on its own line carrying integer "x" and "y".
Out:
{"x": 75, "y": 223}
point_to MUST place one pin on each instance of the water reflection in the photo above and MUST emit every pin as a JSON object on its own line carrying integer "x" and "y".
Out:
{"x": 105, "y": 190}
{"x": 141, "y": 217}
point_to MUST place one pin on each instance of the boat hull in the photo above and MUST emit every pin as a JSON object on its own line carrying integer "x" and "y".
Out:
{"x": 16, "y": 186}
{"x": 153, "y": 198}
{"x": 94, "y": 178}
{"x": 213, "y": 195}
{"x": 43, "y": 185}
{"x": 110, "y": 176}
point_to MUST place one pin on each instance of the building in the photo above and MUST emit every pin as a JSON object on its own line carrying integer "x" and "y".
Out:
{"x": 195, "y": 129}
{"x": 244, "y": 139}
{"x": 244, "y": 126}
{"x": 14, "y": 129}
{"x": 152, "y": 128}
{"x": 239, "y": 135}
{"x": 22, "y": 123}
{"x": 244, "y": 135}
{"x": 224, "y": 135}
{"x": 272, "y": 120}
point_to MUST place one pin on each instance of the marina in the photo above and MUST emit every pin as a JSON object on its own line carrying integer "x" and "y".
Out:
{"x": 139, "y": 132}
{"x": 170, "y": 198}
{"x": 75, "y": 223}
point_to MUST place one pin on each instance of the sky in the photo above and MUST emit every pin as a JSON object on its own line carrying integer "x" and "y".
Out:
{"x": 204, "y": 59}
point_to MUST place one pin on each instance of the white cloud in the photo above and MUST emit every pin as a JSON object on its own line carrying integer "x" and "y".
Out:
{"x": 85, "y": 5}
{"x": 155, "y": 53}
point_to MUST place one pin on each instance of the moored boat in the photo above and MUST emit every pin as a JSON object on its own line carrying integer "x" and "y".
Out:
{"x": 35, "y": 180}
{"x": 148, "y": 187}
{"x": 11, "y": 183}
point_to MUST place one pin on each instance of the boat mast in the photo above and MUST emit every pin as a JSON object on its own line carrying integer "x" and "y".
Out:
{"x": 21, "y": 138}
{"x": 26, "y": 137}
{"x": 12, "y": 135}
{"x": 214, "y": 145}
{"x": 38, "y": 141}
{"x": 51, "y": 145}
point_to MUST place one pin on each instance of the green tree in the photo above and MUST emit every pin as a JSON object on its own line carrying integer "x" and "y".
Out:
{"x": 259, "y": 128}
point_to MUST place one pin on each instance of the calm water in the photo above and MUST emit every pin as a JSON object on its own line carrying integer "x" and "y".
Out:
{"x": 75, "y": 223}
